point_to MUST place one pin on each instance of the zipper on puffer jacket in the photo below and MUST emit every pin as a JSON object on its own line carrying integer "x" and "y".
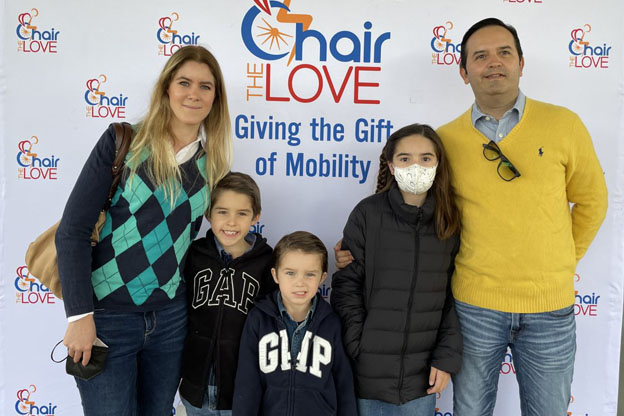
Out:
{"x": 409, "y": 307}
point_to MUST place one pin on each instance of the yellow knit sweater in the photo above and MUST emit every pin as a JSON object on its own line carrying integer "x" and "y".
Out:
{"x": 520, "y": 241}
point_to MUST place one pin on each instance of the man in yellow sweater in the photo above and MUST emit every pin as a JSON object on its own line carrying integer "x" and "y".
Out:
{"x": 532, "y": 196}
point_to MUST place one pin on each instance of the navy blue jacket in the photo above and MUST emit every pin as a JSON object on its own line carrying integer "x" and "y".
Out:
{"x": 269, "y": 383}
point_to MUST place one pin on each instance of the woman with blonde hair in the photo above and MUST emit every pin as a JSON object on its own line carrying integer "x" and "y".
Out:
{"x": 127, "y": 291}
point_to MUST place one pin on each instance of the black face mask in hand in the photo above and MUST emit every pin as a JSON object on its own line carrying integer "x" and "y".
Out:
{"x": 96, "y": 364}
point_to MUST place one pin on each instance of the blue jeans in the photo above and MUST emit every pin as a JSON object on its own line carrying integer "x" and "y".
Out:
{"x": 423, "y": 406}
{"x": 143, "y": 364}
{"x": 209, "y": 407}
{"x": 543, "y": 347}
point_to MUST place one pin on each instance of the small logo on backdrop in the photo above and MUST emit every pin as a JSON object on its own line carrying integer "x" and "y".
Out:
{"x": 571, "y": 413}
{"x": 277, "y": 35}
{"x": 31, "y": 165}
{"x": 445, "y": 52}
{"x": 507, "y": 366}
{"x": 438, "y": 411}
{"x": 585, "y": 303}
{"x": 26, "y": 405}
{"x": 257, "y": 228}
{"x": 101, "y": 105}
{"x": 170, "y": 39}
{"x": 32, "y": 38}
{"x": 584, "y": 54}
{"x": 325, "y": 291}
{"x": 30, "y": 290}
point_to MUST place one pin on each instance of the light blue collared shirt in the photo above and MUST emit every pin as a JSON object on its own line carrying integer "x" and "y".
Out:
{"x": 296, "y": 330}
{"x": 250, "y": 238}
{"x": 497, "y": 130}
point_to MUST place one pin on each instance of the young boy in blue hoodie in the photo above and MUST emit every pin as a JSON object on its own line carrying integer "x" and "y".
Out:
{"x": 225, "y": 272}
{"x": 291, "y": 360}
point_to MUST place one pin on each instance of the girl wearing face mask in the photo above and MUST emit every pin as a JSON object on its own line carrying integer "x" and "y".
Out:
{"x": 394, "y": 300}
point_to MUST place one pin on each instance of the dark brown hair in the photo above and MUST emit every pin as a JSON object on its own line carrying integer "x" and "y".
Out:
{"x": 446, "y": 214}
{"x": 302, "y": 241}
{"x": 490, "y": 21}
{"x": 240, "y": 183}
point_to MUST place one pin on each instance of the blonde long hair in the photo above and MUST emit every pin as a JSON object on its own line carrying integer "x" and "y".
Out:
{"x": 154, "y": 135}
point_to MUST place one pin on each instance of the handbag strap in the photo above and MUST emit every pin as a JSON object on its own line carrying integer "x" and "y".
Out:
{"x": 123, "y": 138}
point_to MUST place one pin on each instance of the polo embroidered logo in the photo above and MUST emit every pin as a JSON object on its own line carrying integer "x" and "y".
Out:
{"x": 541, "y": 151}
{"x": 274, "y": 351}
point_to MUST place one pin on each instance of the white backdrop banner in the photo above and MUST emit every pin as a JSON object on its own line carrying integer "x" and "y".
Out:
{"x": 315, "y": 88}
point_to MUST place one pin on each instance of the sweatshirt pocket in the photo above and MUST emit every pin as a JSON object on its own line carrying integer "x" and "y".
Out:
{"x": 313, "y": 400}
{"x": 324, "y": 406}
{"x": 274, "y": 401}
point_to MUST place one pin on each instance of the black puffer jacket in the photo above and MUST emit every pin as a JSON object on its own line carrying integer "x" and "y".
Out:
{"x": 219, "y": 298}
{"x": 394, "y": 300}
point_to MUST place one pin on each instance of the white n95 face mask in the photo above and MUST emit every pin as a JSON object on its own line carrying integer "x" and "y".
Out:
{"x": 415, "y": 179}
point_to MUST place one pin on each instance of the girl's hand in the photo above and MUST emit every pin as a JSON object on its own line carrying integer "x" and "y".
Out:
{"x": 79, "y": 339}
{"x": 343, "y": 257}
{"x": 438, "y": 380}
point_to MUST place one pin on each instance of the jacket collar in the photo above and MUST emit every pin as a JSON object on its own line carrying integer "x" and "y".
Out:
{"x": 209, "y": 247}
{"x": 269, "y": 305}
{"x": 410, "y": 213}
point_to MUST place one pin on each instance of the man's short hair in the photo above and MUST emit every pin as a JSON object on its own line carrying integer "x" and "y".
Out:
{"x": 300, "y": 241}
{"x": 490, "y": 21}
{"x": 240, "y": 183}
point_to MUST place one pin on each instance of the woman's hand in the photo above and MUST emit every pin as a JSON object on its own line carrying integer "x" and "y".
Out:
{"x": 343, "y": 257}
{"x": 438, "y": 380}
{"x": 79, "y": 339}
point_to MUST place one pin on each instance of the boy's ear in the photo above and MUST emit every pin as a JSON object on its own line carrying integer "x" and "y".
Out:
{"x": 323, "y": 277}
{"x": 256, "y": 219}
{"x": 274, "y": 274}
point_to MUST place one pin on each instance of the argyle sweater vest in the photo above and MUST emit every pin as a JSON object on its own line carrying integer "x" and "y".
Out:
{"x": 138, "y": 263}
